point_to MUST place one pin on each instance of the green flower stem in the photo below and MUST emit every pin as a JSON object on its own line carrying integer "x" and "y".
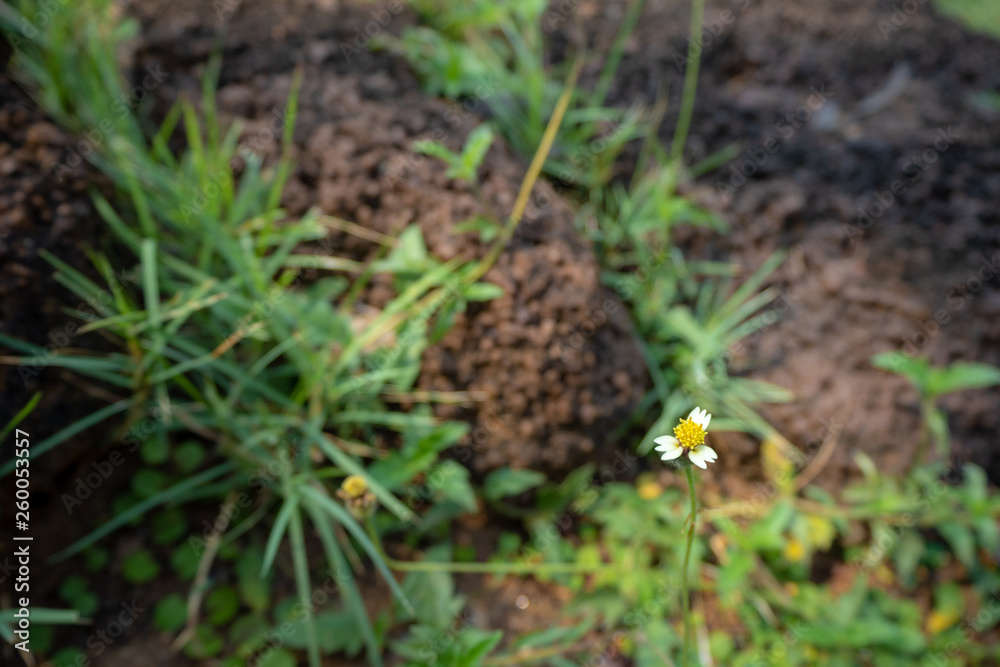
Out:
{"x": 685, "y": 655}
{"x": 485, "y": 568}
{"x": 497, "y": 568}
{"x": 923, "y": 444}
{"x": 690, "y": 80}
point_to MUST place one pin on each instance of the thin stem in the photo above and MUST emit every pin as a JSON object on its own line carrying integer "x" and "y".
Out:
{"x": 690, "y": 80}
{"x": 615, "y": 55}
{"x": 497, "y": 568}
{"x": 534, "y": 170}
{"x": 923, "y": 444}
{"x": 484, "y": 568}
{"x": 687, "y": 561}
{"x": 200, "y": 583}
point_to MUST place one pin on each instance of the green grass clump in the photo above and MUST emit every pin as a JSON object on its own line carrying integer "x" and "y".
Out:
{"x": 220, "y": 335}
{"x": 490, "y": 55}
{"x": 688, "y": 314}
{"x": 977, "y": 15}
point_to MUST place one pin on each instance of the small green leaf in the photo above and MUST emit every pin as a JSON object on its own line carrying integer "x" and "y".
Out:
{"x": 866, "y": 464}
{"x": 140, "y": 567}
{"x": 222, "y": 604}
{"x": 937, "y": 422}
{"x": 486, "y": 228}
{"x": 148, "y": 482}
{"x": 476, "y": 146}
{"x": 248, "y": 632}
{"x": 975, "y": 484}
{"x": 989, "y": 534}
{"x": 255, "y": 593}
{"x": 916, "y": 370}
{"x": 476, "y": 644}
{"x": 451, "y": 480}
{"x": 155, "y": 449}
{"x": 408, "y": 256}
{"x": 482, "y": 292}
{"x": 205, "y": 644}
{"x": 961, "y": 541}
{"x": 337, "y": 631}
{"x": 436, "y": 149}
{"x": 124, "y": 502}
{"x": 734, "y": 573}
{"x": 72, "y": 586}
{"x": 74, "y": 592}
{"x": 68, "y": 657}
{"x": 508, "y": 482}
{"x": 278, "y": 658}
{"x": 907, "y": 554}
{"x": 96, "y": 558}
{"x": 188, "y": 456}
{"x": 961, "y": 376}
{"x": 184, "y": 560}
{"x": 445, "y": 319}
{"x": 169, "y": 526}
{"x": 433, "y": 593}
{"x": 170, "y": 613}
{"x": 41, "y": 638}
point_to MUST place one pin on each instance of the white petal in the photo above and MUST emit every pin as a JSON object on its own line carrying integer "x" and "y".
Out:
{"x": 700, "y": 417}
{"x": 665, "y": 442}
{"x": 697, "y": 460}
{"x": 701, "y": 455}
{"x": 671, "y": 454}
{"x": 710, "y": 454}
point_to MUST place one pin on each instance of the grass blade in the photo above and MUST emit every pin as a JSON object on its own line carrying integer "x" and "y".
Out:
{"x": 22, "y": 413}
{"x": 277, "y": 532}
{"x": 344, "y": 518}
{"x": 73, "y": 429}
{"x": 345, "y": 462}
{"x": 136, "y": 511}
{"x": 345, "y": 580}
{"x": 300, "y": 563}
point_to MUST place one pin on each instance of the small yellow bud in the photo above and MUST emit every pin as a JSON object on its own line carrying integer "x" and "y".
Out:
{"x": 939, "y": 621}
{"x": 649, "y": 490}
{"x": 356, "y": 496}
{"x": 794, "y": 551}
{"x": 354, "y": 486}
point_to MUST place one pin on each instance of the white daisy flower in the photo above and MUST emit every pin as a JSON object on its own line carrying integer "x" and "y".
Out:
{"x": 689, "y": 436}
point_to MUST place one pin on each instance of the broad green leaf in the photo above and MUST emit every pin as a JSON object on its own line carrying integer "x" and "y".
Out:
{"x": 482, "y": 292}
{"x": 451, "y": 480}
{"x": 962, "y": 542}
{"x": 510, "y": 482}
{"x": 221, "y": 605}
{"x": 170, "y": 613}
{"x": 907, "y": 554}
{"x": 433, "y": 593}
{"x": 916, "y": 370}
{"x": 961, "y": 376}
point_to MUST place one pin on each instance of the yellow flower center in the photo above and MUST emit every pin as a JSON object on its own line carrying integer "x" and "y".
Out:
{"x": 355, "y": 486}
{"x": 689, "y": 434}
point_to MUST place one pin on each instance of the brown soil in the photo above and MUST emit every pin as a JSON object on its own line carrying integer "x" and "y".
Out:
{"x": 554, "y": 383}
{"x": 850, "y": 287}
{"x": 551, "y": 364}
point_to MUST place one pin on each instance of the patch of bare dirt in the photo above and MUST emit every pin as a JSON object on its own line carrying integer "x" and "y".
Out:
{"x": 833, "y": 106}
{"x": 552, "y": 360}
